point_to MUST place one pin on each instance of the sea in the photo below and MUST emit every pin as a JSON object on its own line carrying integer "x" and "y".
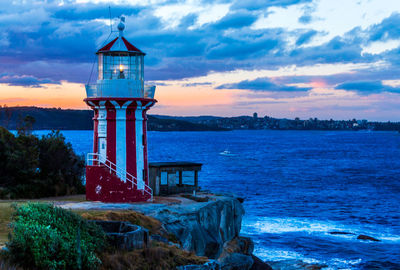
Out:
{"x": 299, "y": 187}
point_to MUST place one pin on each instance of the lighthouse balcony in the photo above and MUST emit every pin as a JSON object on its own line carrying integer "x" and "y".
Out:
{"x": 120, "y": 88}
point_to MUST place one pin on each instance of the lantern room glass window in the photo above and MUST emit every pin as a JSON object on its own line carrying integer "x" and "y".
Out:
{"x": 120, "y": 66}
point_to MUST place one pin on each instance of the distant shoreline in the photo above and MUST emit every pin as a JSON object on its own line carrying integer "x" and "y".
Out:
{"x": 60, "y": 119}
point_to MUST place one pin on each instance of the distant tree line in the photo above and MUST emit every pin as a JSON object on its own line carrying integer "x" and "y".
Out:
{"x": 32, "y": 167}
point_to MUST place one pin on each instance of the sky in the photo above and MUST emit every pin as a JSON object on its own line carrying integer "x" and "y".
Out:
{"x": 282, "y": 58}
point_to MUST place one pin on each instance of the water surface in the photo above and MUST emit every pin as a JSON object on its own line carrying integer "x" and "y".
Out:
{"x": 299, "y": 186}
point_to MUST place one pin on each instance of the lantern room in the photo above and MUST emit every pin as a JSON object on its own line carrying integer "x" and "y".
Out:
{"x": 120, "y": 65}
{"x": 120, "y": 70}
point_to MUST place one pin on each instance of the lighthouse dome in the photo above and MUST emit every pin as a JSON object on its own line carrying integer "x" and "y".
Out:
{"x": 121, "y": 26}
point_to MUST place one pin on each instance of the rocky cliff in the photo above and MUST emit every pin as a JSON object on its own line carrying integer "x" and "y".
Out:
{"x": 208, "y": 225}
{"x": 203, "y": 227}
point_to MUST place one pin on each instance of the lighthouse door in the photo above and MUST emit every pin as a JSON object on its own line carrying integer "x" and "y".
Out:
{"x": 102, "y": 149}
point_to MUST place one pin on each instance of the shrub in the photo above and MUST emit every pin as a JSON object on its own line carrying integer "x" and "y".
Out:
{"x": 158, "y": 256}
{"x": 48, "y": 237}
{"x": 32, "y": 168}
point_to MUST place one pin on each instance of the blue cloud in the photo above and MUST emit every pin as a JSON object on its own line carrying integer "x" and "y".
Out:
{"x": 241, "y": 49}
{"x": 338, "y": 50}
{"x": 259, "y": 4}
{"x": 62, "y": 43}
{"x": 236, "y": 20}
{"x": 262, "y": 84}
{"x": 387, "y": 29}
{"x": 90, "y": 11}
{"x": 305, "y": 19}
{"x": 306, "y": 37}
{"x": 367, "y": 87}
{"x": 26, "y": 81}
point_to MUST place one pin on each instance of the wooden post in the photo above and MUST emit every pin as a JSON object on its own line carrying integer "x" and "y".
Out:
{"x": 196, "y": 179}
{"x": 180, "y": 178}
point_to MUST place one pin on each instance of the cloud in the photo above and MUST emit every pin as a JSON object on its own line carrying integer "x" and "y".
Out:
{"x": 62, "y": 39}
{"x": 306, "y": 37}
{"x": 236, "y": 20}
{"x": 262, "y": 84}
{"x": 367, "y": 87}
{"x": 258, "y": 4}
{"x": 196, "y": 84}
{"x": 24, "y": 80}
{"x": 387, "y": 29}
{"x": 91, "y": 11}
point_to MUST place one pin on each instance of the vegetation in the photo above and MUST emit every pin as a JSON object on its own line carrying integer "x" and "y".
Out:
{"x": 32, "y": 168}
{"x": 157, "y": 257}
{"x": 153, "y": 225}
{"x": 5, "y": 219}
{"x": 48, "y": 237}
{"x": 38, "y": 219}
{"x": 52, "y": 118}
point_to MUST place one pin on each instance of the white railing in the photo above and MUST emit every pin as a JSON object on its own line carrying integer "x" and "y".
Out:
{"x": 94, "y": 159}
{"x": 120, "y": 88}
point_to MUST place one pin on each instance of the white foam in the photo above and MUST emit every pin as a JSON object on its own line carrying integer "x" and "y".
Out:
{"x": 272, "y": 254}
{"x": 275, "y": 225}
{"x": 286, "y": 225}
{"x": 276, "y": 255}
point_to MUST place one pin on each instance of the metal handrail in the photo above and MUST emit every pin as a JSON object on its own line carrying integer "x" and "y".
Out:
{"x": 93, "y": 158}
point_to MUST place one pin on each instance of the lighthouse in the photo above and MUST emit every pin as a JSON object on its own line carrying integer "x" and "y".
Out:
{"x": 117, "y": 170}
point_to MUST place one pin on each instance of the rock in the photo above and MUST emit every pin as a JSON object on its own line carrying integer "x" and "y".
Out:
{"x": 212, "y": 265}
{"x": 239, "y": 244}
{"x": 203, "y": 227}
{"x": 345, "y": 233}
{"x": 258, "y": 264}
{"x": 236, "y": 261}
{"x": 124, "y": 235}
{"x": 246, "y": 245}
{"x": 159, "y": 238}
{"x": 237, "y": 254}
{"x": 367, "y": 238}
{"x": 296, "y": 265}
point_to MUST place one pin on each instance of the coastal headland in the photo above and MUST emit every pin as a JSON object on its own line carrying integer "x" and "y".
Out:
{"x": 207, "y": 226}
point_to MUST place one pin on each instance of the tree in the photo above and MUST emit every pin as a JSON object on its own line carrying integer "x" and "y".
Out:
{"x": 26, "y": 126}
{"x": 31, "y": 167}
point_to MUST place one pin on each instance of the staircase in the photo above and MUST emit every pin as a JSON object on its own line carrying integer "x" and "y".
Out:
{"x": 107, "y": 182}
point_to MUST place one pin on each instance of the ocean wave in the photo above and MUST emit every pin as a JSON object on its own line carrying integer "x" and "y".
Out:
{"x": 282, "y": 255}
{"x": 276, "y": 254}
{"x": 276, "y": 225}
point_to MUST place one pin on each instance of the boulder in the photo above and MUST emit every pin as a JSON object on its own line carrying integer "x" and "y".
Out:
{"x": 236, "y": 261}
{"x": 296, "y": 265}
{"x": 367, "y": 238}
{"x": 239, "y": 244}
{"x": 341, "y": 233}
{"x": 212, "y": 265}
{"x": 258, "y": 264}
{"x": 203, "y": 227}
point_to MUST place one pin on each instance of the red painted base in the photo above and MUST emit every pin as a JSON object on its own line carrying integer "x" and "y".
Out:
{"x": 102, "y": 185}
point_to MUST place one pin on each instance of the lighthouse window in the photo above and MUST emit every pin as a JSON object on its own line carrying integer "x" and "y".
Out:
{"x": 120, "y": 66}
{"x": 100, "y": 66}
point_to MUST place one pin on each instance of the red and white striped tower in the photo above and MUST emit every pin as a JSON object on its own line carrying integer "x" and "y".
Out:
{"x": 117, "y": 170}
